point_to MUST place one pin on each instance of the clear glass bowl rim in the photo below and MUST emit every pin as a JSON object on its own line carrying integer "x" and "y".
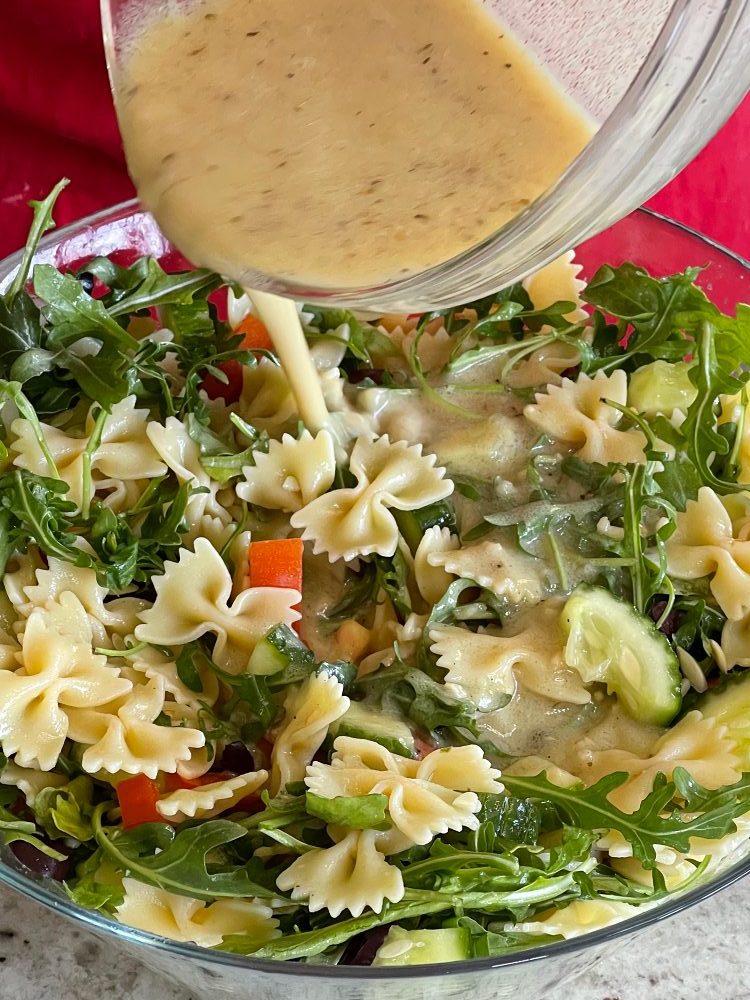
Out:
{"x": 35, "y": 890}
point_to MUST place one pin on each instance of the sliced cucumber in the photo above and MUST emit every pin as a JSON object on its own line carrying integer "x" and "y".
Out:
{"x": 366, "y": 723}
{"x": 278, "y": 649}
{"x": 402, "y": 947}
{"x": 413, "y": 523}
{"x": 661, "y": 387}
{"x": 610, "y": 642}
{"x": 730, "y": 705}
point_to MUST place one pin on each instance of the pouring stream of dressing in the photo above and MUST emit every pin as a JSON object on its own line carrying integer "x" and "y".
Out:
{"x": 282, "y": 321}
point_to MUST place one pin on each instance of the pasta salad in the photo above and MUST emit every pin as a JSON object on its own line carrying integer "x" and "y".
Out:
{"x": 459, "y": 673}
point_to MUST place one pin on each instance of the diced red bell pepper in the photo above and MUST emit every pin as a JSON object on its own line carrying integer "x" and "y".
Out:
{"x": 276, "y": 563}
{"x": 138, "y": 797}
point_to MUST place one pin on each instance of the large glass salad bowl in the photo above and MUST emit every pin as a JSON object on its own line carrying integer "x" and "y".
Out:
{"x": 647, "y": 239}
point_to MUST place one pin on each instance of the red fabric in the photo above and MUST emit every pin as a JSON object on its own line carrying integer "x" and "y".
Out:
{"x": 56, "y": 119}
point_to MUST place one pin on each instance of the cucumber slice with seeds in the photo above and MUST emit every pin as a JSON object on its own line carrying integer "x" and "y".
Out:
{"x": 610, "y": 642}
{"x": 402, "y": 947}
{"x": 366, "y": 723}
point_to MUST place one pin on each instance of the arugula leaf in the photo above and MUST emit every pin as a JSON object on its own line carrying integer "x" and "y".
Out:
{"x": 66, "y": 811}
{"x": 20, "y": 331}
{"x": 703, "y": 441}
{"x": 94, "y": 886}
{"x": 392, "y": 576}
{"x": 105, "y": 376}
{"x": 485, "y": 943}
{"x": 145, "y": 284}
{"x": 590, "y": 809}
{"x": 178, "y": 860}
{"x": 303, "y": 944}
{"x": 13, "y": 829}
{"x": 649, "y": 306}
{"x": 404, "y": 691}
{"x": 357, "y": 812}
{"x": 360, "y": 590}
{"x": 42, "y": 223}
{"x": 73, "y": 313}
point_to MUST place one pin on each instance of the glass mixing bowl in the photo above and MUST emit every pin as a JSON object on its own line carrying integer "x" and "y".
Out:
{"x": 658, "y": 77}
{"x": 656, "y": 243}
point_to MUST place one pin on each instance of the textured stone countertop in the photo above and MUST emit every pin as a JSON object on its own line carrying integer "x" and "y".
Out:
{"x": 700, "y": 953}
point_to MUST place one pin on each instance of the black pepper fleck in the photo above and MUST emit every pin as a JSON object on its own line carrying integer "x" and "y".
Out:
{"x": 251, "y": 34}
{"x": 425, "y": 61}
{"x": 197, "y": 52}
{"x": 508, "y": 65}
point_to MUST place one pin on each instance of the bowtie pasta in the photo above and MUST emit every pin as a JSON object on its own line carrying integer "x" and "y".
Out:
{"x": 467, "y": 661}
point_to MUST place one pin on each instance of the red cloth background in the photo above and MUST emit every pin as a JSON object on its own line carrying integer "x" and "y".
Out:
{"x": 56, "y": 119}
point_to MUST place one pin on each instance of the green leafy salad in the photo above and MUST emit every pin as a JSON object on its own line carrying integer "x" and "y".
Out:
{"x": 459, "y": 673}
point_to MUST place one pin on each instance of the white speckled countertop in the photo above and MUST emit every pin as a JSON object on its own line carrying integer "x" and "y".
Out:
{"x": 702, "y": 952}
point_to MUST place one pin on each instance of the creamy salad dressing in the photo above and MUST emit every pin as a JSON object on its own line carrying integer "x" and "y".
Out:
{"x": 337, "y": 144}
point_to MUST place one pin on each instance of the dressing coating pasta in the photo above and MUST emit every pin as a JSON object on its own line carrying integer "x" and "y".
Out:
{"x": 357, "y": 521}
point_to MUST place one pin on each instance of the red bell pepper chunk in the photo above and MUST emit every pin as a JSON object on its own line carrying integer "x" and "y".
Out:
{"x": 138, "y": 797}
{"x": 277, "y": 563}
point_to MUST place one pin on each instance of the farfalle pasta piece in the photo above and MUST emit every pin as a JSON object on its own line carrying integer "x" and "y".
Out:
{"x": 433, "y": 579}
{"x": 9, "y": 648}
{"x": 531, "y": 765}
{"x": 544, "y": 366}
{"x": 30, "y": 781}
{"x": 706, "y": 542}
{"x": 192, "y": 599}
{"x": 734, "y": 650}
{"x": 433, "y": 346}
{"x": 294, "y": 472}
{"x": 675, "y": 866}
{"x": 124, "y": 735}
{"x": 582, "y": 916}
{"x": 537, "y": 648}
{"x": 182, "y": 918}
{"x": 21, "y": 573}
{"x": 309, "y": 711}
{"x": 182, "y": 455}
{"x": 123, "y": 453}
{"x": 210, "y": 799}
{"x": 700, "y": 746}
{"x": 266, "y": 400}
{"x": 117, "y": 617}
{"x": 507, "y": 572}
{"x": 58, "y": 675}
{"x": 357, "y": 521}
{"x": 487, "y": 666}
{"x": 558, "y": 281}
{"x": 576, "y": 414}
{"x": 425, "y": 797}
{"x": 150, "y": 662}
{"x": 352, "y": 875}
{"x": 481, "y": 664}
